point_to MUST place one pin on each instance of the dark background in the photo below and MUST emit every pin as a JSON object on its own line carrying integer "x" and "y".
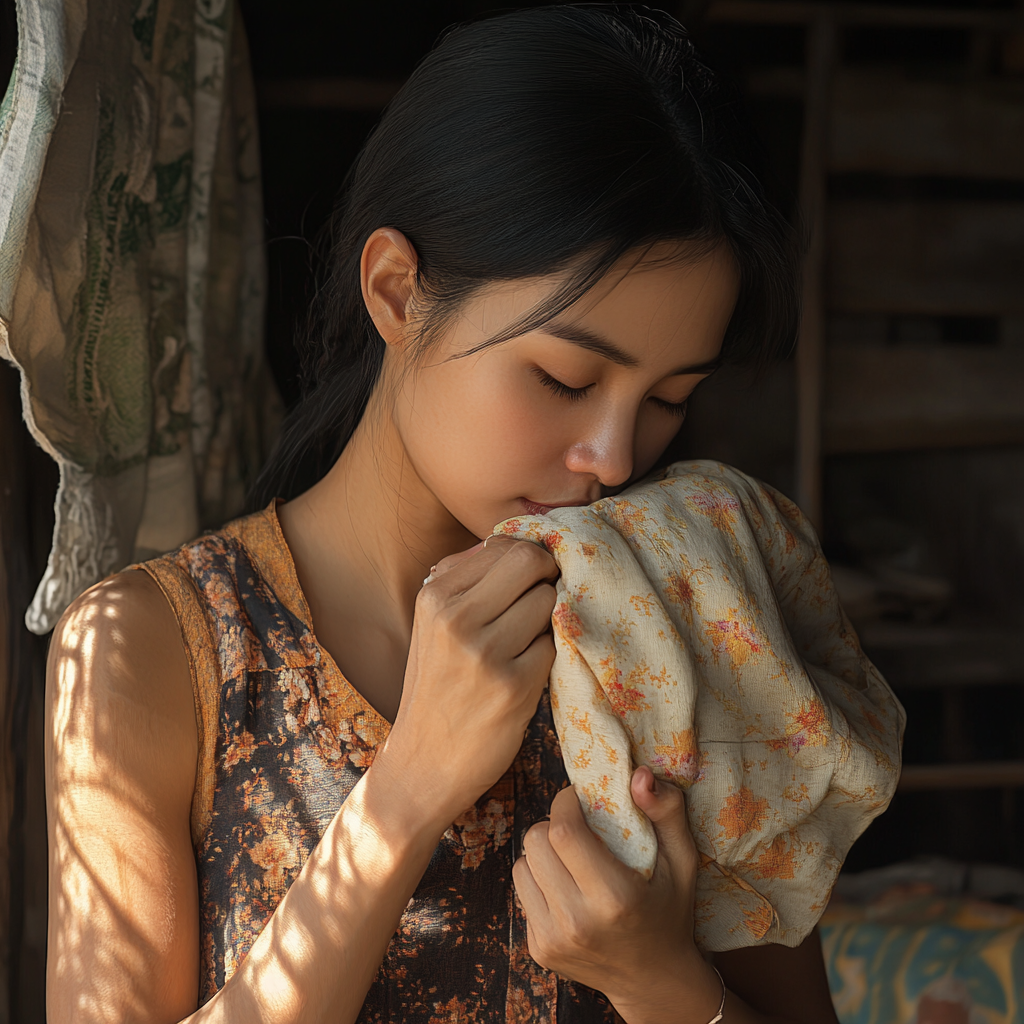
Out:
{"x": 941, "y": 502}
{"x": 952, "y": 510}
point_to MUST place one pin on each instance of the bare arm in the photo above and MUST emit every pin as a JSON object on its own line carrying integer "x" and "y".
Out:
{"x": 121, "y": 762}
{"x": 124, "y": 920}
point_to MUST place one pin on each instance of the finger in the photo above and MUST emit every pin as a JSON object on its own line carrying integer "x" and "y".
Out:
{"x": 530, "y": 894}
{"x": 532, "y": 946}
{"x": 535, "y": 662}
{"x": 550, "y": 873}
{"x": 665, "y": 806}
{"x": 517, "y": 627}
{"x": 463, "y": 570}
{"x": 488, "y": 583}
{"x": 594, "y": 868}
{"x": 450, "y": 561}
{"x": 520, "y": 568}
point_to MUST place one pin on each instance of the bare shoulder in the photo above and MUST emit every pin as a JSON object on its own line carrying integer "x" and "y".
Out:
{"x": 117, "y": 661}
{"x": 121, "y": 749}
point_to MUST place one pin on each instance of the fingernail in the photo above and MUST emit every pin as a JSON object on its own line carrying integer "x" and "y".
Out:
{"x": 476, "y": 547}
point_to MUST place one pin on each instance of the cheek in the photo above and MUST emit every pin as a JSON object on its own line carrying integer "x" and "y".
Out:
{"x": 655, "y": 431}
{"x": 457, "y": 421}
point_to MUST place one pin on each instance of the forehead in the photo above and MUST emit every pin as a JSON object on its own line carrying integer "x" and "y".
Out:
{"x": 649, "y": 304}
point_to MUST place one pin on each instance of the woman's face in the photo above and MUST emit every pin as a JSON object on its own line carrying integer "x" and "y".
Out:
{"x": 569, "y": 412}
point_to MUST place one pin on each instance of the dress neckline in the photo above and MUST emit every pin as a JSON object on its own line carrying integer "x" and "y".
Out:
{"x": 281, "y": 570}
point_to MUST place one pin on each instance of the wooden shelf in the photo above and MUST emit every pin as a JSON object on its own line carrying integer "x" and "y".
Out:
{"x": 884, "y": 121}
{"x": 942, "y": 258}
{"x": 924, "y": 656}
{"x": 890, "y": 123}
{"x": 917, "y": 778}
{"x": 795, "y": 12}
{"x": 892, "y": 399}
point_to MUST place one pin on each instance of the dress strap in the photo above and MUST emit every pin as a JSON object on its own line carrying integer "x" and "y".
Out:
{"x": 201, "y": 650}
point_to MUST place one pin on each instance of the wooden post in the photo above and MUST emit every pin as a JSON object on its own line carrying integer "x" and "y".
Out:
{"x": 821, "y": 55}
{"x": 12, "y": 503}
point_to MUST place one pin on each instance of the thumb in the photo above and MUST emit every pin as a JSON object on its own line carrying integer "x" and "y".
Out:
{"x": 665, "y": 806}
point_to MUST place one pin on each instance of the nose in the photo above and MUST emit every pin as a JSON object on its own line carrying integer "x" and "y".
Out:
{"x": 606, "y": 452}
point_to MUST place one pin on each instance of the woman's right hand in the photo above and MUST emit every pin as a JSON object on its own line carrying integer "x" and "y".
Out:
{"x": 479, "y": 659}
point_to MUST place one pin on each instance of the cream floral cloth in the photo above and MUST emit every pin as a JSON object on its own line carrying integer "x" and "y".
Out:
{"x": 698, "y": 632}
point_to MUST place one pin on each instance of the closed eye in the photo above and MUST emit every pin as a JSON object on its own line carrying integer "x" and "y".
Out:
{"x": 560, "y": 389}
{"x": 577, "y": 394}
{"x": 675, "y": 408}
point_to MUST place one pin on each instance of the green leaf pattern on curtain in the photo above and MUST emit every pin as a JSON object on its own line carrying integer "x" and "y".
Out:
{"x": 132, "y": 274}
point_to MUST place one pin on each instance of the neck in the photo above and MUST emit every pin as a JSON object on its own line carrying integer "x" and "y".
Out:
{"x": 370, "y": 529}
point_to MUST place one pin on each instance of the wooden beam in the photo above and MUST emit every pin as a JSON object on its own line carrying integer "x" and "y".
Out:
{"x": 820, "y": 63}
{"x": 360, "y": 94}
{"x": 11, "y": 498}
{"x": 955, "y": 258}
{"x": 884, "y": 122}
{"x": 795, "y": 12}
{"x": 917, "y": 778}
{"x": 893, "y": 399}
{"x": 941, "y": 656}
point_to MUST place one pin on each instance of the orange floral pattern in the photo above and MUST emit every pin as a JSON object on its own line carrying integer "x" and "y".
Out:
{"x": 698, "y": 632}
{"x": 283, "y": 740}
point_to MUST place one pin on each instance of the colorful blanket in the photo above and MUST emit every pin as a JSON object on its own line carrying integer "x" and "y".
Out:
{"x": 916, "y": 958}
{"x": 698, "y": 632}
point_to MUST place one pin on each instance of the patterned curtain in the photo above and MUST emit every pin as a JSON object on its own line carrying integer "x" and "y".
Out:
{"x": 132, "y": 274}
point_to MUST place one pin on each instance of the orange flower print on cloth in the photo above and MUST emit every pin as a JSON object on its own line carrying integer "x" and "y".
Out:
{"x": 283, "y": 738}
{"x": 698, "y": 632}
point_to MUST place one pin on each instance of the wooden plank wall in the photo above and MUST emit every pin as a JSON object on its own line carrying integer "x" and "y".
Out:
{"x": 7, "y": 690}
{"x": 891, "y": 399}
{"x": 886, "y": 122}
{"x": 27, "y": 487}
{"x": 959, "y": 258}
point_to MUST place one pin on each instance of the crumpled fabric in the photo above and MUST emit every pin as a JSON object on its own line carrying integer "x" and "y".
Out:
{"x": 132, "y": 274}
{"x": 697, "y": 631}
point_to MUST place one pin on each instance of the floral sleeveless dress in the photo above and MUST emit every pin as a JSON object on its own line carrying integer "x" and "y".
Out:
{"x": 283, "y": 738}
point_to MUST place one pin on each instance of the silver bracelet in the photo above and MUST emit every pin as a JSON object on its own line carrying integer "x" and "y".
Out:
{"x": 721, "y": 1006}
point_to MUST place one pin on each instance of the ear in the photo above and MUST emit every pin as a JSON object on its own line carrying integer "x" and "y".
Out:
{"x": 388, "y": 277}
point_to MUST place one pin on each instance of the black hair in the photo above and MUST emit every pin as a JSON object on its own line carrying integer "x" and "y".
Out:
{"x": 544, "y": 140}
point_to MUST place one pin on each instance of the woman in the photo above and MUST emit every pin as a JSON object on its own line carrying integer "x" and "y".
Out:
{"x": 288, "y": 780}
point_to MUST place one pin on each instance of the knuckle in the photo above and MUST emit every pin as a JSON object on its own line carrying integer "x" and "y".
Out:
{"x": 500, "y": 542}
{"x": 430, "y": 599}
{"x": 530, "y": 554}
{"x": 578, "y": 930}
{"x": 619, "y": 905}
{"x": 444, "y": 565}
{"x": 504, "y": 678}
{"x": 560, "y": 834}
{"x": 452, "y": 615}
{"x": 534, "y": 837}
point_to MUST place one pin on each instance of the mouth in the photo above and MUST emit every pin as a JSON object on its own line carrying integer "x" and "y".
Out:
{"x": 536, "y": 508}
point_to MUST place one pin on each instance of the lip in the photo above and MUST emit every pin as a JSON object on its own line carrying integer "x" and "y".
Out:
{"x": 539, "y": 508}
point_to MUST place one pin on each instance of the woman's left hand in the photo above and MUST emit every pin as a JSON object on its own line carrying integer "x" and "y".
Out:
{"x": 597, "y": 922}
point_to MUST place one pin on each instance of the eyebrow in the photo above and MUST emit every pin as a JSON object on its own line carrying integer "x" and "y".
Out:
{"x": 594, "y": 342}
